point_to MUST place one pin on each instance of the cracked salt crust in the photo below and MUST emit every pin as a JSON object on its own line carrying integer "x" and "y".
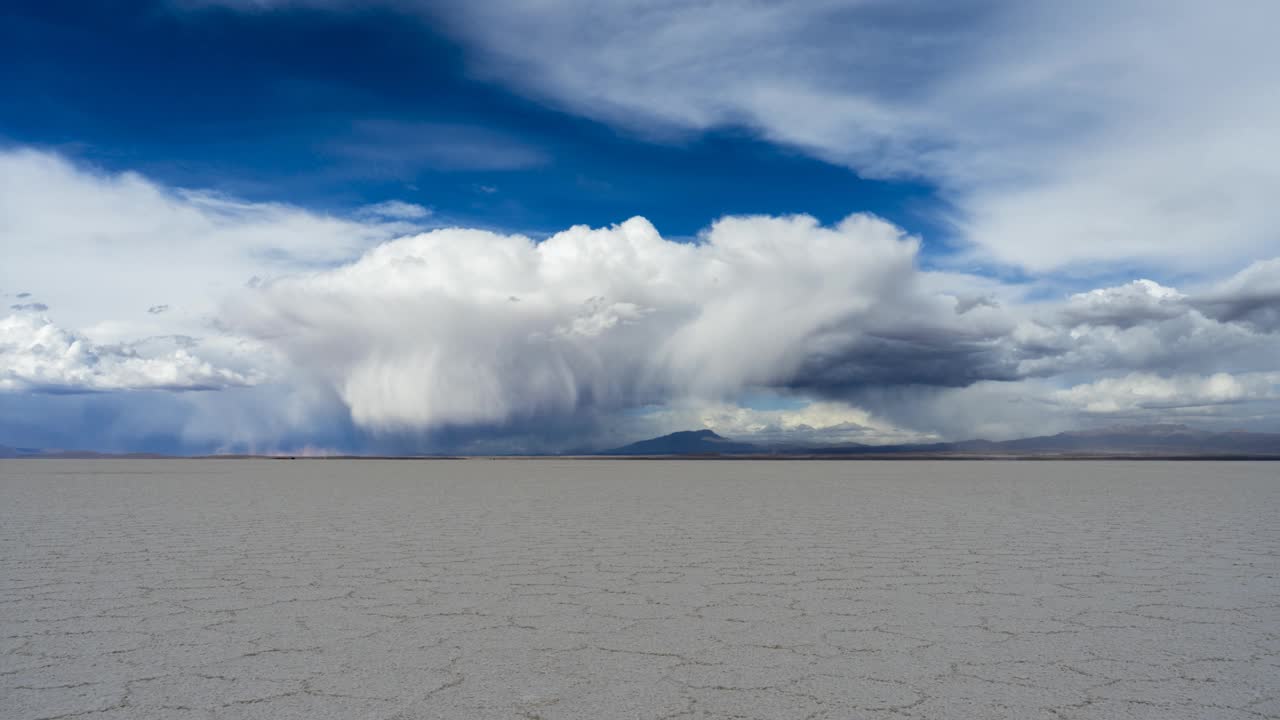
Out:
{"x": 548, "y": 589}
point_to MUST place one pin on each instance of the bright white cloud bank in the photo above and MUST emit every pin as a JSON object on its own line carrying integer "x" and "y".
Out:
{"x": 1145, "y": 391}
{"x": 463, "y": 326}
{"x": 37, "y": 355}
{"x": 102, "y": 249}
{"x": 589, "y": 335}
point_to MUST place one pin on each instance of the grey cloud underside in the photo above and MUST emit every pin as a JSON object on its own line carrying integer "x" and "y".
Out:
{"x": 936, "y": 359}
{"x": 1224, "y": 329}
{"x": 267, "y": 418}
{"x": 1250, "y": 298}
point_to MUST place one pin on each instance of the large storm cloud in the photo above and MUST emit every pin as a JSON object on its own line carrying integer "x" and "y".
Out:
{"x": 383, "y": 336}
{"x": 461, "y": 326}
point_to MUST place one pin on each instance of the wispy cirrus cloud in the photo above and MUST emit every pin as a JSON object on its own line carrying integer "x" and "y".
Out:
{"x": 1069, "y": 137}
{"x": 386, "y": 148}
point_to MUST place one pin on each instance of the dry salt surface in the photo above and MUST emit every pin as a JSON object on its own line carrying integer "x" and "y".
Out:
{"x": 638, "y": 589}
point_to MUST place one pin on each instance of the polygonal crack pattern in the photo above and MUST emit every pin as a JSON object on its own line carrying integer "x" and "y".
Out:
{"x": 638, "y": 589}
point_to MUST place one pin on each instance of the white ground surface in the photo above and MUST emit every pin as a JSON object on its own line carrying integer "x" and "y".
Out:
{"x": 641, "y": 589}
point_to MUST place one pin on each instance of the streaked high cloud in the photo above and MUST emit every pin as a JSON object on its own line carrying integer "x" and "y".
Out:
{"x": 401, "y": 150}
{"x": 1069, "y": 136}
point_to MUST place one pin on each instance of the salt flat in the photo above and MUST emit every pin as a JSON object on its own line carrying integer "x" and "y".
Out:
{"x": 638, "y": 589}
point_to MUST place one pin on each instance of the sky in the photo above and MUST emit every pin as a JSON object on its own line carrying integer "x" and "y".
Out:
{"x": 393, "y": 226}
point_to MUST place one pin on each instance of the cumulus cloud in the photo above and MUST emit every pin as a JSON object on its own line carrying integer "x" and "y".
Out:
{"x": 1148, "y": 327}
{"x": 466, "y": 327}
{"x": 1125, "y": 305}
{"x": 99, "y": 249}
{"x": 36, "y": 355}
{"x": 1146, "y": 391}
{"x": 461, "y": 327}
{"x": 815, "y": 423}
{"x": 365, "y": 332}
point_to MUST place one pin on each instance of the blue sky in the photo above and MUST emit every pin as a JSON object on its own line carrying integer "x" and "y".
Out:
{"x": 402, "y": 226}
{"x": 339, "y": 111}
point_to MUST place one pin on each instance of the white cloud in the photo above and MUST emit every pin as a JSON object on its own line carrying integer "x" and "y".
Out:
{"x": 1146, "y": 327}
{"x": 39, "y": 356}
{"x": 100, "y": 249}
{"x": 366, "y": 332}
{"x": 1042, "y": 406}
{"x": 1147, "y": 391}
{"x": 469, "y": 327}
{"x": 814, "y": 423}
{"x": 1125, "y": 305}
{"x": 1069, "y": 135}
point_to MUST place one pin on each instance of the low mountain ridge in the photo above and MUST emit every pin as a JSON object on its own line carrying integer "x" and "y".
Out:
{"x": 1123, "y": 441}
{"x": 1160, "y": 441}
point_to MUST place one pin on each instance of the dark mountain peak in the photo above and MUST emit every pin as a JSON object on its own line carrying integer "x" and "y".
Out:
{"x": 686, "y": 442}
{"x": 1158, "y": 440}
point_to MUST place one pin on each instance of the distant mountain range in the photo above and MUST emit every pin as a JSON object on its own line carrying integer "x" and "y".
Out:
{"x": 1132, "y": 441}
{"x": 1141, "y": 441}
{"x": 18, "y": 452}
